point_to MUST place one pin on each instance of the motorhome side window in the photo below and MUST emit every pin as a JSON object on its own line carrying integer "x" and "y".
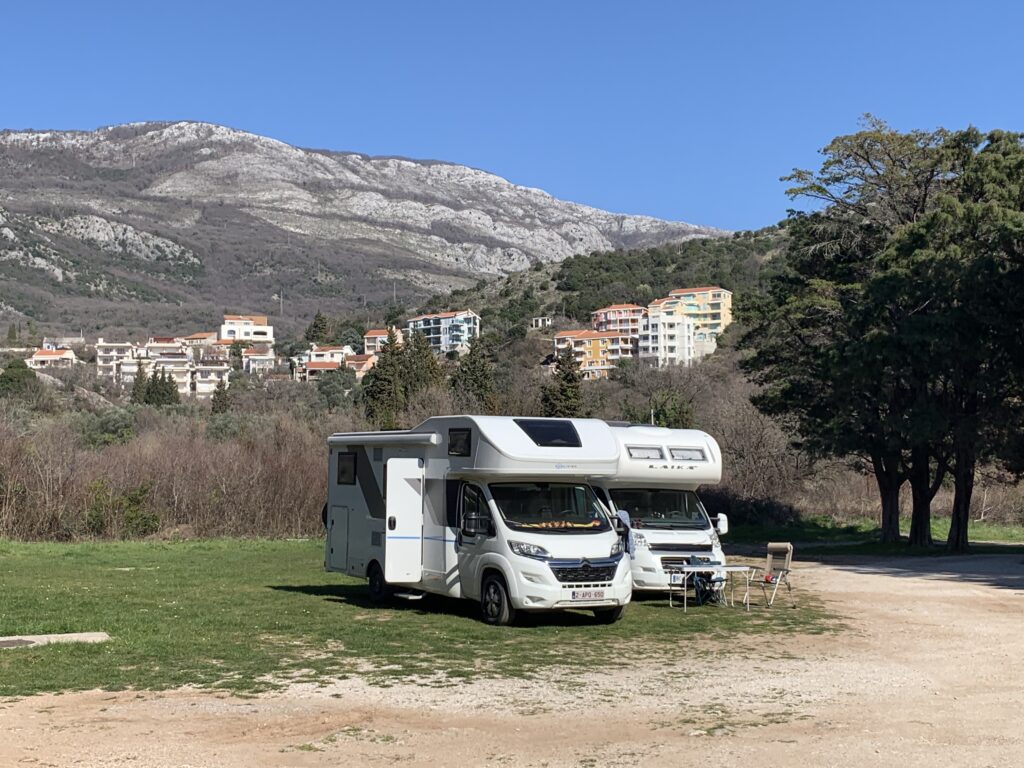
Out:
{"x": 459, "y": 442}
{"x": 346, "y": 468}
{"x": 476, "y": 517}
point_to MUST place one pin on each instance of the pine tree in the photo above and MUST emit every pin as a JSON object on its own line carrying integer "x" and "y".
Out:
{"x": 420, "y": 368}
{"x": 472, "y": 382}
{"x": 221, "y": 401}
{"x": 12, "y": 334}
{"x": 140, "y": 388}
{"x": 154, "y": 393}
{"x": 563, "y": 395}
{"x": 383, "y": 391}
{"x": 318, "y": 329}
{"x": 170, "y": 388}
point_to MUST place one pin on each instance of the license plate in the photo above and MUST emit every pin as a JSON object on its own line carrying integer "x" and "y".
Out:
{"x": 675, "y": 578}
{"x": 587, "y": 594}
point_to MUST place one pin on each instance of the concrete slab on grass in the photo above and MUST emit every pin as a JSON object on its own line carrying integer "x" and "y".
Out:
{"x": 25, "y": 641}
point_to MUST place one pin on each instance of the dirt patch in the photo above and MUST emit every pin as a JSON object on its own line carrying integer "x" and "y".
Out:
{"x": 926, "y": 673}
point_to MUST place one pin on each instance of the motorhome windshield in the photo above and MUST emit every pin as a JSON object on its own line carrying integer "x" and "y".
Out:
{"x": 550, "y": 507}
{"x": 661, "y": 508}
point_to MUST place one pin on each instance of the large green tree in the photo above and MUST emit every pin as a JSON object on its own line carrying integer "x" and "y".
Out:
{"x": 961, "y": 270}
{"x": 818, "y": 341}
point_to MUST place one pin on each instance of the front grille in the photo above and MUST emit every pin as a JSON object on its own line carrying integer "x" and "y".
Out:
{"x": 584, "y": 574}
{"x": 695, "y": 548}
{"x": 585, "y": 571}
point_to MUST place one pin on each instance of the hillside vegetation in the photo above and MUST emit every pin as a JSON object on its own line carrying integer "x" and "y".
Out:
{"x": 571, "y": 290}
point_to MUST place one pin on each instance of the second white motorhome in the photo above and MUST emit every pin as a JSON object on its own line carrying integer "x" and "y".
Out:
{"x": 659, "y": 473}
{"x": 495, "y": 509}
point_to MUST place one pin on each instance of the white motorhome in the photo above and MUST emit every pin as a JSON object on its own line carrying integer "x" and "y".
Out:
{"x": 658, "y": 475}
{"x": 490, "y": 508}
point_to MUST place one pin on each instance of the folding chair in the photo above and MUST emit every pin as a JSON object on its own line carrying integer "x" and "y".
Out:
{"x": 777, "y": 566}
{"x": 709, "y": 587}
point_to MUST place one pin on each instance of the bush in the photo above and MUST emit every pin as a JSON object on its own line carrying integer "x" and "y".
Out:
{"x": 109, "y": 427}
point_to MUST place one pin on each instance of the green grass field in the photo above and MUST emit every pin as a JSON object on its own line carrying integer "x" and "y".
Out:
{"x": 249, "y": 615}
{"x": 862, "y": 534}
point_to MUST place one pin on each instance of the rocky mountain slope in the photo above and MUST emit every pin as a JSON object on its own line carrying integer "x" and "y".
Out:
{"x": 188, "y": 219}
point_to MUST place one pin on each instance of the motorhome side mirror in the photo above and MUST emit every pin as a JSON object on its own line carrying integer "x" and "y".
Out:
{"x": 722, "y": 524}
{"x": 491, "y": 530}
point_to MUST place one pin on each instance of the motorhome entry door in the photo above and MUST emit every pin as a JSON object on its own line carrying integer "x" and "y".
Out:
{"x": 403, "y": 541}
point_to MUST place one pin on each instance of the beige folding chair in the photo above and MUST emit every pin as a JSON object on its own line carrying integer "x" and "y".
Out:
{"x": 777, "y": 566}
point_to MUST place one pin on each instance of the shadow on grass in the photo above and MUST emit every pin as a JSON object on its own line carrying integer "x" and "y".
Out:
{"x": 358, "y": 596}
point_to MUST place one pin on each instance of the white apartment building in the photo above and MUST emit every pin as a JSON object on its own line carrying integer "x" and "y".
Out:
{"x": 251, "y": 328}
{"x": 330, "y": 352}
{"x": 447, "y": 331}
{"x": 373, "y": 340}
{"x": 258, "y": 360}
{"x": 666, "y": 335}
{"x": 206, "y": 377}
{"x": 111, "y": 355}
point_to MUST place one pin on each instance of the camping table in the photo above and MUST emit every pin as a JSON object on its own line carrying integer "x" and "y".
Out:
{"x": 687, "y": 571}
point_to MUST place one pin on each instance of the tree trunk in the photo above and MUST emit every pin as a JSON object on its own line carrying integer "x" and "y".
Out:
{"x": 889, "y": 483}
{"x": 963, "y": 476}
{"x": 922, "y": 492}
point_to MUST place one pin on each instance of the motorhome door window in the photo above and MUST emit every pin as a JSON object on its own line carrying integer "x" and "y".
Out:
{"x": 476, "y": 518}
{"x": 460, "y": 442}
{"x": 551, "y": 433}
{"x": 550, "y": 507}
{"x": 346, "y": 468}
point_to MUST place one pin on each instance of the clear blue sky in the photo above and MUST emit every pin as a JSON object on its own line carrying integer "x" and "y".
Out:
{"x": 682, "y": 110}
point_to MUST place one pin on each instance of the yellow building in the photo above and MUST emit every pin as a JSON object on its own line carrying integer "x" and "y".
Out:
{"x": 597, "y": 352}
{"x": 710, "y": 308}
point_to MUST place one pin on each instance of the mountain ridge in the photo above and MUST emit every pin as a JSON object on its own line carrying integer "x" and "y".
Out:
{"x": 249, "y": 216}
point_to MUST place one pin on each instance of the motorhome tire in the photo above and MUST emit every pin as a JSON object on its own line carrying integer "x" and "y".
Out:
{"x": 323, "y": 515}
{"x": 495, "y": 603}
{"x": 378, "y": 586}
{"x": 609, "y": 615}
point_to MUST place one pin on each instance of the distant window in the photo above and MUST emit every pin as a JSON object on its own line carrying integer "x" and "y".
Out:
{"x": 346, "y": 468}
{"x": 551, "y": 433}
{"x": 460, "y": 442}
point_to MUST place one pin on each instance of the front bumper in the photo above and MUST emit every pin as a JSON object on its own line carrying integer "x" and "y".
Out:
{"x": 649, "y": 574}
{"x": 537, "y": 589}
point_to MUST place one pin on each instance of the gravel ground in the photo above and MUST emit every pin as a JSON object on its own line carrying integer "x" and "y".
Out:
{"x": 926, "y": 673}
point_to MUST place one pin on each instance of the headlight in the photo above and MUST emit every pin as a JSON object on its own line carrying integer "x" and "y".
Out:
{"x": 715, "y": 541}
{"x": 616, "y": 548}
{"x": 639, "y": 540}
{"x": 525, "y": 549}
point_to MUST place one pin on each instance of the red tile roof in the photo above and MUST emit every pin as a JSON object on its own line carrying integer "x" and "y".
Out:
{"x": 376, "y": 332}
{"x": 616, "y": 306}
{"x": 325, "y": 365}
{"x": 52, "y": 352}
{"x": 358, "y": 358}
